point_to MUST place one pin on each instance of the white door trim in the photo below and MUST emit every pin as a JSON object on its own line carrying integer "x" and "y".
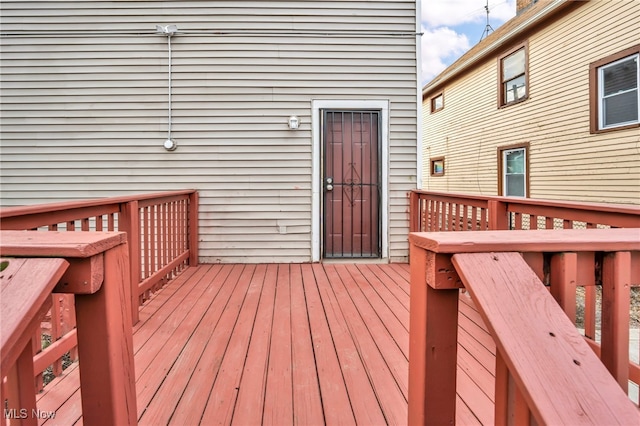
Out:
{"x": 316, "y": 188}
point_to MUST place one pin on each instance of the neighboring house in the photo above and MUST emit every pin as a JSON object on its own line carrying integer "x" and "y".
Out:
{"x": 545, "y": 107}
{"x": 297, "y": 121}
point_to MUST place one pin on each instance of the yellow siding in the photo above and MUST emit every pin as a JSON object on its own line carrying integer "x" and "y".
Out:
{"x": 566, "y": 161}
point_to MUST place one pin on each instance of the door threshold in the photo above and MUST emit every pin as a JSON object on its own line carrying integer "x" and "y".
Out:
{"x": 355, "y": 260}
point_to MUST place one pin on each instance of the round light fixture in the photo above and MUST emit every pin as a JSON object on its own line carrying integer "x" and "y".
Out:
{"x": 170, "y": 145}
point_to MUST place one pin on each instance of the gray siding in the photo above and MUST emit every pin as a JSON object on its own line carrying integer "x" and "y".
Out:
{"x": 84, "y": 107}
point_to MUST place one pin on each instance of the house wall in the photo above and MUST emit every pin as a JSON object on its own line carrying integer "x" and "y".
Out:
{"x": 85, "y": 88}
{"x": 566, "y": 161}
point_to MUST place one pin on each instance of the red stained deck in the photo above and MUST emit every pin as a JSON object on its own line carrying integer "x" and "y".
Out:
{"x": 284, "y": 344}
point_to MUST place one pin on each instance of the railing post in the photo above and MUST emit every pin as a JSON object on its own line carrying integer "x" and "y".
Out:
{"x": 433, "y": 333}
{"x": 616, "y": 282}
{"x": 105, "y": 346}
{"x": 498, "y": 215}
{"x": 130, "y": 223}
{"x": 193, "y": 228}
{"x": 564, "y": 277}
{"x": 414, "y": 211}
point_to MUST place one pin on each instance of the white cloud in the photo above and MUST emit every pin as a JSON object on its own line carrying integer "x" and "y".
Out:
{"x": 438, "y": 45}
{"x": 447, "y": 26}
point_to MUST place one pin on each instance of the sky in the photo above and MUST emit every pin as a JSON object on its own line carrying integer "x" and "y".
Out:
{"x": 452, "y": 27}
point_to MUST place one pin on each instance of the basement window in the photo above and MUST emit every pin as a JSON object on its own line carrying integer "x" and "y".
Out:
{"x": 437, "y": 166}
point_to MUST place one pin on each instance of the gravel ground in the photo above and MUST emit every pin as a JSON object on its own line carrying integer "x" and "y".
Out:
{"x": 634, "y": 312}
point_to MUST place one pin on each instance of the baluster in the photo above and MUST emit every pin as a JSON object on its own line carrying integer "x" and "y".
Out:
{"x": 548, "y": 223}
{"x": 484, "y": 213}
{"x": 517, "y": 220}
{"x": 510, "y": 405}
{"x": 616, "y": 280}
{"x": 56, "y": 328}
{"x": 130, "y": 223}
{"x": 36, "y": 344}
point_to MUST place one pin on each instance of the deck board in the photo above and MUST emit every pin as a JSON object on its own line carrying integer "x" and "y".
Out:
{"x": 284, "y": 344}
{"x": 252, "y": 381}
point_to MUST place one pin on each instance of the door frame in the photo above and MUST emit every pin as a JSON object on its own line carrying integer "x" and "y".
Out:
{"x": 316, "y": 185}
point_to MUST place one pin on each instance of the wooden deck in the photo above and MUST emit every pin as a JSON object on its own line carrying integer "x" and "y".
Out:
{"x": 282, "y": 344}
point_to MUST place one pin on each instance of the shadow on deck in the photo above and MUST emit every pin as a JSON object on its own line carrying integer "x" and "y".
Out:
{"x": 284, "y": 344}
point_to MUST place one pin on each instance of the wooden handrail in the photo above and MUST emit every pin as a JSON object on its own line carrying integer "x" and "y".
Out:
{"x": 25, "y": 284}
{"x": 7, "y": 213}
{"x": 442, "y": 210}
{"x": 98, "y": 276}
{"x": 509, "y": 295}
{"x": 582, "y": 240}
{"x": 25, "y": 287}
{"x": 163, "y": 223}
{"x": 561, "y": 380}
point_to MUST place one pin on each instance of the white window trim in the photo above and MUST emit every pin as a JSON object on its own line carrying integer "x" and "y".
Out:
{"x": 601, "y": 125}
{"x": 504, "y": 170}
{"x": 316, "y": 189}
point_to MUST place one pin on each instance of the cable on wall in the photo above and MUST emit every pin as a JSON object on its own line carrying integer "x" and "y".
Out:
{"x": 169, "y": 31}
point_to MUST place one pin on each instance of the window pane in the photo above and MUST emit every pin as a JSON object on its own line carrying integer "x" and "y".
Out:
{"x": 515, "y": 162}
{"x": 515, "y": 89}
{"x": 515, "y": 186}
{"x": 621, "y": 108}
{"x": 514, "y": 172}
{"x": 513, "y": 65}
{"x": 438, "y": 102}
{"x": 621, "y": 76}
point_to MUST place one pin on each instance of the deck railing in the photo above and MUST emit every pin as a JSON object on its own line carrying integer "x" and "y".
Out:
{"x": 162, "y": 232}
{"x": 545, "y": 369}
{"x": 437, "y": 211}
{"x": 94, "y": 268}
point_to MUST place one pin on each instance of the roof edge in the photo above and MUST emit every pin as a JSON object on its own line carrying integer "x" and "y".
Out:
{"x": 538, "y": 14}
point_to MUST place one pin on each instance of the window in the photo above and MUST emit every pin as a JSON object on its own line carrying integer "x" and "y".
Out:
{"x": 514, "y": 80}
{"x": 437, "y": 102}
{"x": 437, "y": 166}
{"x": 614, "y": 94}
{"x": 513, "y": 164}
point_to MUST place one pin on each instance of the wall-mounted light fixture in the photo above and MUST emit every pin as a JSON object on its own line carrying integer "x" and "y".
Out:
{"x": 294, "y": 122}
{"x": 168, "y": 30}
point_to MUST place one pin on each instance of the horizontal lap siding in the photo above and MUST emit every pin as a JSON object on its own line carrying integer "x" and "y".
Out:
{"x": 85, "y": 112}
{"x": 566, "y": 161}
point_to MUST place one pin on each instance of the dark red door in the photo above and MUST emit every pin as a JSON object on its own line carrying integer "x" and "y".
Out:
{"x": 351, "y": 225}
